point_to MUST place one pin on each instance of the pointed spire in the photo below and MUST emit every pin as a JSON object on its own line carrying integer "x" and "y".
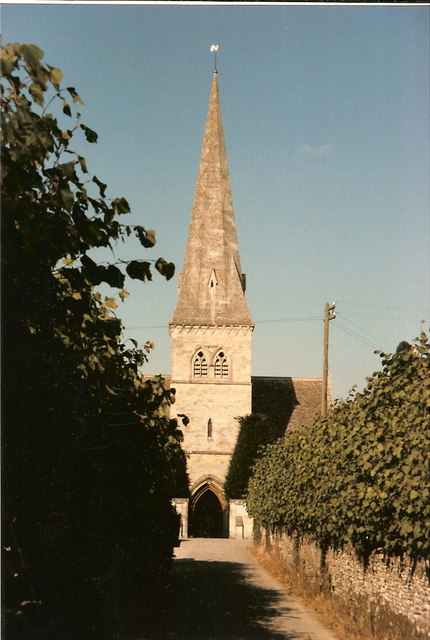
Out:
{"x": 212, "y": 284}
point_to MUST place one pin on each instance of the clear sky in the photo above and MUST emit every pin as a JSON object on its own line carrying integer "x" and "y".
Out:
{"x": 325, "y": 112}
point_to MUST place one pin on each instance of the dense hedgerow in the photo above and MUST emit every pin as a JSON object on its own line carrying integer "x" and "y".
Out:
{"x": 361, "y": 475}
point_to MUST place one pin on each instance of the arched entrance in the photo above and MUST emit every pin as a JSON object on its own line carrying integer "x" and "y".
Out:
{"x": 208, "y": 516}
{"x": 207, "y": 520}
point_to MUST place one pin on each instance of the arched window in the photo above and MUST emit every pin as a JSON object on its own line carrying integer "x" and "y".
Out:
{"x": 221, "y": 365}
{"x": 210, "y": 428}
{"x": 200, "y": 365}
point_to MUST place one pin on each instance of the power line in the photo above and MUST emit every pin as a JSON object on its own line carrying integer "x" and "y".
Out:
{"x": 311, "y": 319}
{"x": 305, "y": 319}
{"x": 355, "y": 335}
{"x": 381, "y": 306}
{"x": 272, "y": 320}
{"x": 366, "y": 315}
{"x": 360, "y": 328}
{"x": 147, "y": 326}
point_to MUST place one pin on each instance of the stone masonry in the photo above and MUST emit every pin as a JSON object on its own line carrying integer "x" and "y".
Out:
{"x": 211, "y": 332}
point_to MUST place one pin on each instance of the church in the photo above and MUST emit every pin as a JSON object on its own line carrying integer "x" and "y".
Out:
{"x": 211, "y": 337}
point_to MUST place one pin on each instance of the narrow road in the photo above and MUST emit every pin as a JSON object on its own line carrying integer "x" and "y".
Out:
{"x": 220, "y": 592}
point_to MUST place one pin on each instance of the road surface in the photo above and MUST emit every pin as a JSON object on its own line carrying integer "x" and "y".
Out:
{"x": 220, "y": 592}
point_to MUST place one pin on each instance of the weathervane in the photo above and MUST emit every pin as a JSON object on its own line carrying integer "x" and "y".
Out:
{"x": 214, "y": 48}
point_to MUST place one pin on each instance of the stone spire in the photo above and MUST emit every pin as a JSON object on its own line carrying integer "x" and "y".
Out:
{"x": 211, "y": 286}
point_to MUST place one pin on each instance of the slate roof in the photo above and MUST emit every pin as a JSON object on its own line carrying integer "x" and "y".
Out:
{"x": 290, "y": 402}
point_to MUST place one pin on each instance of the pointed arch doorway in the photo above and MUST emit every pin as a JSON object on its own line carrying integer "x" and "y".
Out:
{"x": 208, "y": 516}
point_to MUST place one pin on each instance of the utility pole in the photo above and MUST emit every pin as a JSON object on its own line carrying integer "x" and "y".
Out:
{"x": 329, "y": 314}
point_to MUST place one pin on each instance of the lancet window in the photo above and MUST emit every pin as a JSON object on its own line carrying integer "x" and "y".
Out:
{"x": 221, "y": 365}
{"x": 200, "y": 365}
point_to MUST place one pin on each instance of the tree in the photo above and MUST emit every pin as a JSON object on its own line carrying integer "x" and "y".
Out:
{"x": 89, "y": 454}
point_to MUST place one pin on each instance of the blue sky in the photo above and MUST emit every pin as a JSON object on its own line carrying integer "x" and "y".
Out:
{"x": 325, "y": 112}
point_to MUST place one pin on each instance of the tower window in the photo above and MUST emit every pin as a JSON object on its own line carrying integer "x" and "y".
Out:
{"x": 210, "y": 428}
{"x": 200, "y": 365}
{"x": 221, "y": 365}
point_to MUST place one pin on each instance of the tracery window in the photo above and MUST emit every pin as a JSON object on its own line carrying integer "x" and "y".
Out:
{"x": 200, "y": 365}
{"x": 221, "y": 365}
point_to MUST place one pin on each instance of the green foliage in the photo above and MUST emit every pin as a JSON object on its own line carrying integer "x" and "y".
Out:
{"x": 255, "y": 430}
{"x": 89, "y": 455}
{"x": 361, "y": 475}
{"x": 54, "y": 207}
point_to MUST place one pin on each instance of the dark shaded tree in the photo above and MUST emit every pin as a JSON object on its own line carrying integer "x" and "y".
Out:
{"x": 255, "y": 430}
{"x": 89, "y": 456}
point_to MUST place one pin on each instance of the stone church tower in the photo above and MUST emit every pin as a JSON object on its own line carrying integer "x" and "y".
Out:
{"x": 211, "y": 332}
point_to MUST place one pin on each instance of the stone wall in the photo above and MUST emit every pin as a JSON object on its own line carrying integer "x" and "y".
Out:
{"x": 390, "y": 595}
{"x": 181, "y": 505}
{"x": 240, "y": 524}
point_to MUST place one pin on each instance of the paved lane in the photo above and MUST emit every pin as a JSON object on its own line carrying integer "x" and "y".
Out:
{"x": 219, "y": 592}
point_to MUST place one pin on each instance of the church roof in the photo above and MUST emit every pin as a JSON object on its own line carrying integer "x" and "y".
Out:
{"x": 290, "y": 403}
{"x": 211, "y": 286}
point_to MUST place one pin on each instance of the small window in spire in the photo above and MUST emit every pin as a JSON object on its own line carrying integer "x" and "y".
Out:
{"x": 212, "y": 280}
{"x": 200, "y": 365}
{"x": 221, "y": 365}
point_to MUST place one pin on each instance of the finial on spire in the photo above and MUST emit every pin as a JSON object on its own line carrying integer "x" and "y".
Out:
{"x": 214, "y": 48}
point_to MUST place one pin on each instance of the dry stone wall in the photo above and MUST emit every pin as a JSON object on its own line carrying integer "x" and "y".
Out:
{"x": 390, "y": 594}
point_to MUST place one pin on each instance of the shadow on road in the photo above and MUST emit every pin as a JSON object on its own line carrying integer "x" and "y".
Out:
{"x": 209, "y": 601}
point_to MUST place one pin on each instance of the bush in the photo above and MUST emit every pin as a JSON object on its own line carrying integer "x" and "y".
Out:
{"x": 361, "y": 475}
